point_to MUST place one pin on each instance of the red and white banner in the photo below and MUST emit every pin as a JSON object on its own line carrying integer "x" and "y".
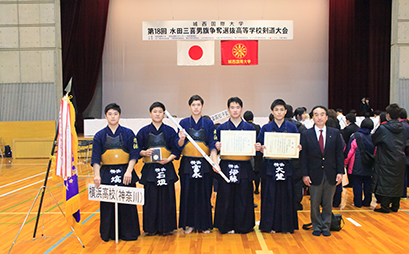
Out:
{"x": 67, "y": 140}
{"x": 195, "y": 53}
{"x": 239, "y": 52}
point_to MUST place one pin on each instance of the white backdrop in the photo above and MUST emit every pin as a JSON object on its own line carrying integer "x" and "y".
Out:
{"x": 137, "y": 73}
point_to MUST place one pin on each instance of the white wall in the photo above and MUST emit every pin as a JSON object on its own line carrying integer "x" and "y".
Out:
{"x": 137, "y": 73}
{"x": 400, "y": 53}
{"x": 30, "y": 60}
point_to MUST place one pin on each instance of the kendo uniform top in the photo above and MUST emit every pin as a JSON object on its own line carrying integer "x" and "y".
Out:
{"x": 196, "y": 175}
{"x": 278, "y": 206}
{"x": 235, "y": 203}
{"x": 164, "y": 138}
{"x": 159, "y": 210}
{"x": 113, "y": 151}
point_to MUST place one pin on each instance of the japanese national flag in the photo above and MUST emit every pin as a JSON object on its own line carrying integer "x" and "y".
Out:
{"x": 195, "y": 52}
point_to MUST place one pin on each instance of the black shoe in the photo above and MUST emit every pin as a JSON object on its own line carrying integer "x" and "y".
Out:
{"x": 347, "y": 186}
{"x": 256, "y": 192}
{"x": 381, "y": 210}
{"x": 326, "y": 233}
{"x": 255, "y": 205}
{"x": 395, "y": 210}
{"x": 316, "y": 233}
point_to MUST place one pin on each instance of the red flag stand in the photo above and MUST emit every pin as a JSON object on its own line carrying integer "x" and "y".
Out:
{"x": 42, "y": 191}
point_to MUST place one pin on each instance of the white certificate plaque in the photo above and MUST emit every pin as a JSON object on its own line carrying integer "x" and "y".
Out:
{"x": 281, "y": 145}
{"x": 238, "y": 142}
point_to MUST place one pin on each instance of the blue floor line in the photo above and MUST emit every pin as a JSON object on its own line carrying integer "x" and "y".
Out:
{"x": 70, "y": 233}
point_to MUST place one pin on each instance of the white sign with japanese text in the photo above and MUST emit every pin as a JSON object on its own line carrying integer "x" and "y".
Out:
{"x": 219, "y": 116}
{"x": 116, "y": 194}
{"x": 218, "y": 30}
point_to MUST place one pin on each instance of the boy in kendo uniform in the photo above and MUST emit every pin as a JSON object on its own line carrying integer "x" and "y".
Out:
{"x": 196, "y": 174}
{"x": 234, "y": 212}
{"x": 158, "y": 144}
{"x": 278, "y": 209}
{"x": 114, "y": 154}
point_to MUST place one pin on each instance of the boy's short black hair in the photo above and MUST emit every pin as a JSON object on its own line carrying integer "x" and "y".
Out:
{"x": 289, "y": 109}
{"x": 195, "y": 98}
{"x": 382, "y": 117}
{"x": 377, "y": 112}
{"x": 248, "y": 116}
{"x": 277, "y": 102}
{"x": 319, "y": 106}
{"x": 157, "y": 104}
{"x": 367, "y": 123}
{"x": 403, "y": 114}
{"x": 113, "y": 106}
{"x": 236, "y": 100}
{"x": 393, "y": 110}
{"x": 338, "y": 110}
{"x": 351, "y": 117}
{"x": 299, "y": 111}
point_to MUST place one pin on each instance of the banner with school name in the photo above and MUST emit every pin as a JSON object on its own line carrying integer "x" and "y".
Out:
{"x": 113, "y": 194}
{"x": 218, "y": 30}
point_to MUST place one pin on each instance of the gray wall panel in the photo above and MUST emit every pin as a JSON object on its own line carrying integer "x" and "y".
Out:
{"x": 27, "y": 102}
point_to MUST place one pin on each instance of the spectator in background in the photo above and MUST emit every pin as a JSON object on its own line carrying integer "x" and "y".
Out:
{"x": 364, "y": 107}
{"x": 347, "y": 132}
{"x": 376, "y": 120}
{"x": 333, "y": 122}
{"x": 390, "y": 160}
{"x": 341, "y": 118}
{"x": 256, "y": 161}
{"x": 350, "y": 128}
{"x": 332, "y": 119}
{"x": 404, "y": 120}
{"x": 300, "y": 114}
{"x": 360, "y": 141}
{"x": 382, "y": 118}
{"x": 297, "y": 175}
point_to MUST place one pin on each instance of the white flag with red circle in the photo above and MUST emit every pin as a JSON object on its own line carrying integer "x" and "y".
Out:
{"x": 195, "y": 52}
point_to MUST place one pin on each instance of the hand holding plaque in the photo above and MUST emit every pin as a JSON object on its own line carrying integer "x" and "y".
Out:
{"x": 281, "y": 145}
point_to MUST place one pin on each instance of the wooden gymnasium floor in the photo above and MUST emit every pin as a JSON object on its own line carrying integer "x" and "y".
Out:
{"x": 20, "y": 180}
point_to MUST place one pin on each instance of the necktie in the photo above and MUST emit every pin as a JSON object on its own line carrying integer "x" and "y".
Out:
{"x": 321, "y": 142}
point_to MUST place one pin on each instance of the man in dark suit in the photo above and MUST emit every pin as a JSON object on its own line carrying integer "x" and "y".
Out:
{"x": 346, "y": 133}
{"x": 364, "y": 107}
{"x": 322, "y": 165}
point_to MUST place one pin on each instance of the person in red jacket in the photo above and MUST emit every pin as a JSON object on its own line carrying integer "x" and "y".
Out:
{"x": 361, "y": 180}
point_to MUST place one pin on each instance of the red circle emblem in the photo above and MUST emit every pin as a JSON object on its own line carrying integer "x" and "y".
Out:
{"x": 195, "y": 52}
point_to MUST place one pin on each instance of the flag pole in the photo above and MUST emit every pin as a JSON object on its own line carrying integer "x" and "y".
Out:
{"x": 45, "y": 183}
{"x": 67, "y": 90}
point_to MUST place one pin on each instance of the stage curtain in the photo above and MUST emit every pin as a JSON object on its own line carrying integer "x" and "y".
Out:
{"x": 359, "y": 53}
{"x": 83, "y": 26}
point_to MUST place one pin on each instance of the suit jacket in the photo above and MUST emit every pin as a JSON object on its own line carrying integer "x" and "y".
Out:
{"x": 314, "y": 164}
